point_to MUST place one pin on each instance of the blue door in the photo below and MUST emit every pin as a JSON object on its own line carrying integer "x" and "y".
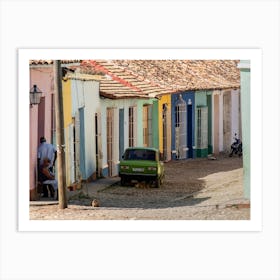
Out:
{"x": 121, "y": 133}
{"x": 189, "y": 99}
{"x": 82, "y": 143}
{"x": 189, "y": 131}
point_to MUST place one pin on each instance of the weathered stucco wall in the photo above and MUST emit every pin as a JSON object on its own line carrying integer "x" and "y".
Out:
{"x": 41, "y": 117}
{"x": 245, "y": 115}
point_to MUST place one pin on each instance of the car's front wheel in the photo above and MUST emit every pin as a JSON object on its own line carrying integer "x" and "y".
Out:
{"x": 158, "y": 183}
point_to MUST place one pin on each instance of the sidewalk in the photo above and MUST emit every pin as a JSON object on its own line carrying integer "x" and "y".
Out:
{"x": 91, "y": 189}
{"x": 94, "y": 187}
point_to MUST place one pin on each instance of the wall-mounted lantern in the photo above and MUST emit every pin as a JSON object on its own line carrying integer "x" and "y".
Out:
{"x": 35, "y": 95}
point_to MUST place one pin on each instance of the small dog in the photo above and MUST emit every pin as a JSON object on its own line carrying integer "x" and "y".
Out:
{"x": 95, "y": 203}
{"x": 142, "y": 185}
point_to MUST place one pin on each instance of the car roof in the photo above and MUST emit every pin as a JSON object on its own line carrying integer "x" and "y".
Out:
{"x": 142, "y": 148}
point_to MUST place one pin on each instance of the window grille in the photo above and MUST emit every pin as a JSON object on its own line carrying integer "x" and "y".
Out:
{"x": 202, "y": 128}
{"x": 147, "y": 125}
{"x": 180, "y": 128}
{"x": 132, "y": 126}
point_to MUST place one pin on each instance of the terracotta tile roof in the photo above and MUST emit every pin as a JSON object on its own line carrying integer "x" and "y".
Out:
{"x": 180, "y": 75}
{"x": 117, "y": 82}
{"x": 157, "y": 77}
{"x": 115, "y": 89}
{"x": 144, "y": 78}
{"x": 50, "y": 62}
{"x": 107, "y": 86}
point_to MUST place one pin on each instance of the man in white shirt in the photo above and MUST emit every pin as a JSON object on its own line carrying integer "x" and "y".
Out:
{"x": 46, "y": 150}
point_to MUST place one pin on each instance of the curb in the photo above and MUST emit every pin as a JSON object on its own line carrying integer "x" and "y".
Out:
{"x": 43, "y": 203}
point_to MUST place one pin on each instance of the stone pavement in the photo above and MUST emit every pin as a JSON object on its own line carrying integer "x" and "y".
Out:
{"x": 91, "y": 189}
{"x": 193, "y": 190}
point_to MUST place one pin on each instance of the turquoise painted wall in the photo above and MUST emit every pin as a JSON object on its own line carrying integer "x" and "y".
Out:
{"x": 245, "y": 114}
{"x": 124, "y": 104}
{"x": 85, "y": 97}
{"x": 209, "y": 104}
{"x": 116, "y": 104}
{"x": 203, "y": 98}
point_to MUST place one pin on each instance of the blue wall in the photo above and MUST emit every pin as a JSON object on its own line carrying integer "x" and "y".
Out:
{"x": 82, "y": 143}
{"x": 186, "y": 96}
{"x": 121, "y": 133}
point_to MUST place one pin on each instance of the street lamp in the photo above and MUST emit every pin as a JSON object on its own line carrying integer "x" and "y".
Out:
{"x": 35, "y": 95}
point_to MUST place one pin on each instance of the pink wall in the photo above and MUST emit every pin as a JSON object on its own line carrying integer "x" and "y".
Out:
{"x": 43, "y": 78}
{"x": 33, "y": 124}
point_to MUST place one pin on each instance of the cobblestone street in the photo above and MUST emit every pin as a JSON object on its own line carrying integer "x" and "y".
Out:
{"x": 198, "y": 189}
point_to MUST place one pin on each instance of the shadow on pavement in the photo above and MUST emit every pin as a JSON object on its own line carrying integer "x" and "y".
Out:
{"x": 150, "y": 204}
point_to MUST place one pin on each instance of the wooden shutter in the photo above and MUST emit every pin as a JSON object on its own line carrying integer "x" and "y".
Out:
{"x": 145, "y": 126}
{"x": 77, "y": 146}
{"x": 71, "y": 153}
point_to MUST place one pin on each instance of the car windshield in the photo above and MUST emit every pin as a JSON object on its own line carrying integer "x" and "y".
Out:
{"x": 134, "y": 154}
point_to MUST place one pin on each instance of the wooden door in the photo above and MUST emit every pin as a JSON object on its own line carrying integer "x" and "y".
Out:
{"x": 164, "y": 131}
{"x": 76, "y": 135}
{"x": 41, "y": 119}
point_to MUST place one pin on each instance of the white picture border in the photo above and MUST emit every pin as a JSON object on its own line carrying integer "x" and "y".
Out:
{"x": 255, "y": 222}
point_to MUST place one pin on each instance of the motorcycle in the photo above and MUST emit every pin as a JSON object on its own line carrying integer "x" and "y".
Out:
{"x": 236, "y": 147}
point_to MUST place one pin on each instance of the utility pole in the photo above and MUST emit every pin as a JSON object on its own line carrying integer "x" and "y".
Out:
{"x": 60, "y": 141}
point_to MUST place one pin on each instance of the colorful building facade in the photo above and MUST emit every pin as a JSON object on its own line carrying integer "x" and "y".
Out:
{"x": 81, "y": 115}
{"x": 245, "y": 70}
{"x": 104, "y": 113}
{"x": 226, "y": 119}
{"x": 126, "y": 123}
{"x": 183, "y": 125}
{"x": 164, "y": 126}
{"x": 203, "y": 123}
{"x": 41, "y": 118}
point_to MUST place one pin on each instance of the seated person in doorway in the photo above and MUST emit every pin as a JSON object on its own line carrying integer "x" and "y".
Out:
{"x": 46, "y": 177}
{"x": 46, "y": 150}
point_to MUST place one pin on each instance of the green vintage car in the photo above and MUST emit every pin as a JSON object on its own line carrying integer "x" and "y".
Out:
{"x": 141, "y": 164}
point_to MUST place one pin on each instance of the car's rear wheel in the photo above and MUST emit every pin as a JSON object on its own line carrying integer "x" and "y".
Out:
{"x": 123, "y": 180}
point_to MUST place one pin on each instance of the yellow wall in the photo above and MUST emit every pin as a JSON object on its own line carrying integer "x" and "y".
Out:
{"x": 67, "y": 111}
{"x": 163, "y": 99}
{"x": 67, "y": 104}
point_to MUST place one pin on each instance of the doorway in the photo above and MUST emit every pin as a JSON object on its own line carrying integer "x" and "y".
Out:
{"x": 164, "y": 131}
{"x": 121, "y": 133}
{"x": 147, "y": 125}
{"x": 189, "y": 131}
{"x": 41, "y": 119}
{"x": 110, "y": 141}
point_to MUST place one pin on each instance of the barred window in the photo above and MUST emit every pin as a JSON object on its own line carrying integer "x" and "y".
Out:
{"x": 202, "y": 127}
{"x": 147, "y": 125}
{"x": 132, "y": 126}
{"x": 180, "y": 128}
